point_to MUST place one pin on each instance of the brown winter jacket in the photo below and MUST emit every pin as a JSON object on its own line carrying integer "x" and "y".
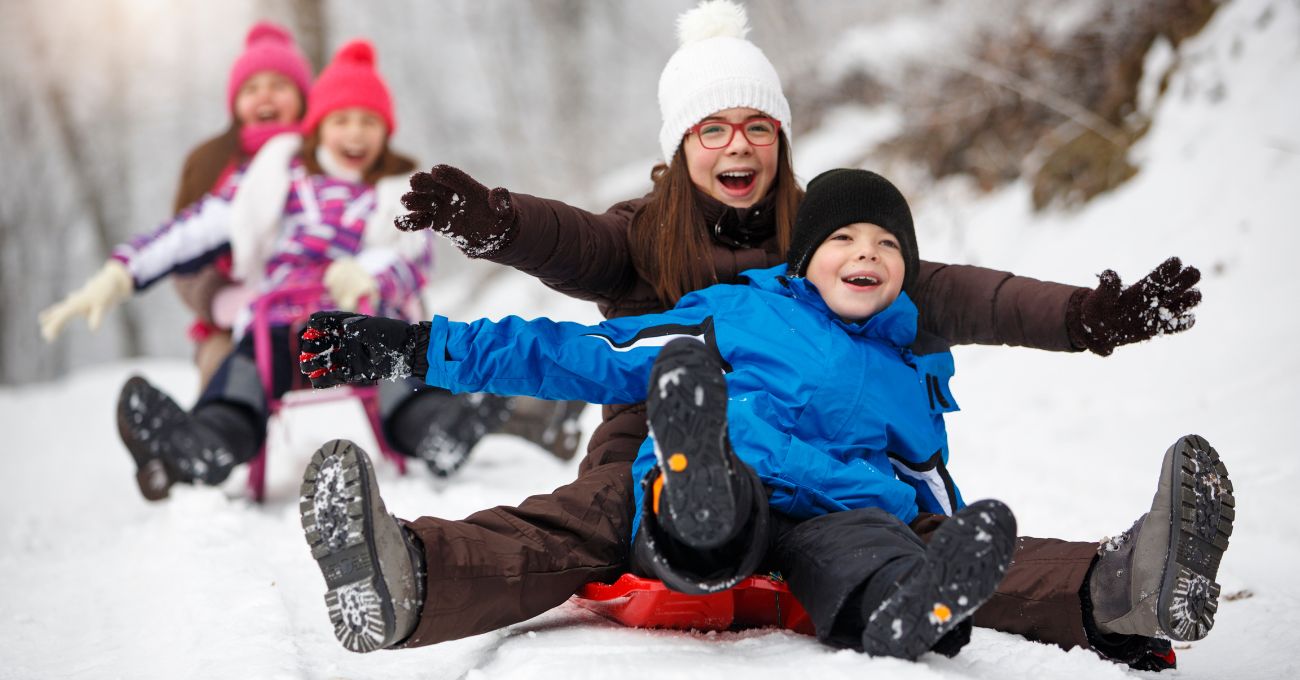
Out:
{"x": 203, "y": 167}
{"x": 506, "y": 564}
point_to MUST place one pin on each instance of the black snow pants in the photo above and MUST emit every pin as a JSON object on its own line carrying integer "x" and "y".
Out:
{"x": 839, "y": 566}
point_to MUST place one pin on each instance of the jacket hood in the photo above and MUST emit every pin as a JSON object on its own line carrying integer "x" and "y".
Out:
{"x": 895, "y": 324}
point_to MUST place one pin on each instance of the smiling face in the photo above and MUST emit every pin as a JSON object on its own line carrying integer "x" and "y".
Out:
{"x": 267, "y": 97}
{"x": 858, "y": 270}
{"x": 739, "y": 174}
{"x": 354, "y": 137}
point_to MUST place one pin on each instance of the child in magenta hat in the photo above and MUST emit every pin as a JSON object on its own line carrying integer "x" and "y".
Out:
{"x": 266, "y": 94}
{"x": 315, "y": 205}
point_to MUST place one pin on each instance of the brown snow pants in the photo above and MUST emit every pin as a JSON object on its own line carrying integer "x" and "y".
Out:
{"x": 505, "y": 565}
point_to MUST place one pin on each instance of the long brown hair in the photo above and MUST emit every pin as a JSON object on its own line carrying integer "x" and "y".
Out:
{"x": 669, "y": 239}
{"x": 388, "y": 163}
{"x": 204, "y": 166}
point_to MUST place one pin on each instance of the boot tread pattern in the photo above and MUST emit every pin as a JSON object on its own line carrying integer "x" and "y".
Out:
{"x": 334, "y": 507}
{"x": 1204, "y": 510}
{"x": 964, "y": 563}
{"x": 688, "y": 423}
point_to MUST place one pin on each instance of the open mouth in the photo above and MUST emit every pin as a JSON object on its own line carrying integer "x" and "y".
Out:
{"x": 267, "y": 115}
{"x": 354, "y": 154}
{"x": 737, "y": 181}
{"x": 861, "y": 280}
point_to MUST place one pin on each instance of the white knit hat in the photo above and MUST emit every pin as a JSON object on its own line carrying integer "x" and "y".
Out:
{"x": 715, "y": 68}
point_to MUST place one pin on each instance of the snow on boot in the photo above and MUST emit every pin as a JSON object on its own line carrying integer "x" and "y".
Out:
{"x": 964, "y": 563}
{"x": 370, "y": 568}
{"x": 1157, "y": 579}
{"x": 168, "y": 444}
{"x": 687, "y": 410}
{"x": 441, "y": 428}
{"x": 552, "y": 425}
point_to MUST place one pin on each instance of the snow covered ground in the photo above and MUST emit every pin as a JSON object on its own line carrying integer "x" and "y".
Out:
{"x": 95, "y": 583}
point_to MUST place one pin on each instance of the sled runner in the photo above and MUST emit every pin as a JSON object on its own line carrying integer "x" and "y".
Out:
{"x": 756, "y": 602}
{"x": 301, "y": 301}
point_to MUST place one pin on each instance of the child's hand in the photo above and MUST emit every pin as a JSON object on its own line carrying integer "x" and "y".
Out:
{"x": 104, "y": 291}
{"x": 1110, "y": 315}
{"x": 349, "y": 283}
{"x": 452, "y": 203}
{"x": 342, "y": 347}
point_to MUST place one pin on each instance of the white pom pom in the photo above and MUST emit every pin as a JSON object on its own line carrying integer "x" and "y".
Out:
{"x": 712, "y": 19}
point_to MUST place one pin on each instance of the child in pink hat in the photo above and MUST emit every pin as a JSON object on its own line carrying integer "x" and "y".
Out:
{"x": 266, "y": 94}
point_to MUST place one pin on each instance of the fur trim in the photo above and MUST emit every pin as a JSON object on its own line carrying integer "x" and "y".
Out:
{"x": 380, "y": 232}
{"x": 258, "y": 206}
{"x": 258, "y": 210}
{"x": 712, "y": 19}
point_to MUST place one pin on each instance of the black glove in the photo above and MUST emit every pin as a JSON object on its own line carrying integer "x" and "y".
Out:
{"x": 343, "y": 347}
{"x": 1110, "y": 315}
{"x": 452, "y": 203}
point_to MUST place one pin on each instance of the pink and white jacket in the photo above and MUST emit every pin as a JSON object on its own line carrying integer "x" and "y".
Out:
{"x": 283, "y": 227}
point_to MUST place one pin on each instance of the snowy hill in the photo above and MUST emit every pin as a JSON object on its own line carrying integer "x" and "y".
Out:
{"x": 95, "y": 583}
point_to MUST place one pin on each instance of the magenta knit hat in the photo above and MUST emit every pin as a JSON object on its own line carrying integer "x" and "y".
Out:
{"x": 269, "y": 47}
{"x": 349, "y": 80}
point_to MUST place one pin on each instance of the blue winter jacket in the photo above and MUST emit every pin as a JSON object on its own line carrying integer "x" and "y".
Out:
{"x": 831, "y": 415}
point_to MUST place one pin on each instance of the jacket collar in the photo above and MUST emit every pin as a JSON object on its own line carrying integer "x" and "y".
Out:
{"x": 738, "y": 227}
{"x": 895, "y": 324}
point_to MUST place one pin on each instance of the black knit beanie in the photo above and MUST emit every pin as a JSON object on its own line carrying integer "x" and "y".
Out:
{"x": 846, "y": 196}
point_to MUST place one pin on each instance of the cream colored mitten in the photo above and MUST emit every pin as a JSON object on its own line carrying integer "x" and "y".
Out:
{"x": 104, "y": 291}
{"x": 348, "y": 282}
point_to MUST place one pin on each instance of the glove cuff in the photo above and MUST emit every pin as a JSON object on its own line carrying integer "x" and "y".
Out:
{"x": 116, "y": 280}
{"x": 1081, "y": 337}
{"x": 417, "y": 348}
{"x": 1073, "y": 319}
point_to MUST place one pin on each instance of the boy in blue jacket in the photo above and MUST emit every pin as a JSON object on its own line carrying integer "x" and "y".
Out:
{"x": 792, "y": 427}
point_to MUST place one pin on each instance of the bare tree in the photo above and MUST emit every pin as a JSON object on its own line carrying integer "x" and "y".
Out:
{"x": 311, "y": 24}
{"x": 98, "y": 176}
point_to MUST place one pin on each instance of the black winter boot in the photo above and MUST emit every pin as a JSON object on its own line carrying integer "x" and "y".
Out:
{"x": 372, "y": 564}
{"x": 963, "y": 564}
{"x": 552, "y": 425}
{"x": 1157, "y": 579}
{"x": 442, "y": 428}
{"x": 170, "y": 445}
{"x": 687, "y": 410}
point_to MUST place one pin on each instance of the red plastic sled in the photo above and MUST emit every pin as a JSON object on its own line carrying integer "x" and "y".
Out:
{"x": 756, "y": 602}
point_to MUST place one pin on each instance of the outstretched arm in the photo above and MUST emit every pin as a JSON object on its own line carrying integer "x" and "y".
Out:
{"x": 194, "y": 236}
{"x": 573, "y": 251}
{"x": 964, "y": 304}
{"x": 606, "y": 363}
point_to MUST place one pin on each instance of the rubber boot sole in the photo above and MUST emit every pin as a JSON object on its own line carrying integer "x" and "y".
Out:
{"x": 1202, "y": 510}
{"x": 359, "y": 549}
{"x": 142, "y": 412}
{"x": 687, "y": 411}
{"x": 964, "y": 563}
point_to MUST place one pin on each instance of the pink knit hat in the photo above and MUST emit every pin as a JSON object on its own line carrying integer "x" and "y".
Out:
{"x": 350, "y": 80}
{"x": 269, "y": 47}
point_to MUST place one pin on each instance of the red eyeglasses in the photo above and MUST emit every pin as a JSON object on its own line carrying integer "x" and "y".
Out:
{"x": 717, "y": 134}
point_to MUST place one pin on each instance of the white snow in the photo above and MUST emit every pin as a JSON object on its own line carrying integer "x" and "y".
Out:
{"x": 97, "y": 583}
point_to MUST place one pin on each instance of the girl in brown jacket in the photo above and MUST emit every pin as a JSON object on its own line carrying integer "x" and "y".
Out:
{"x": 266, "y": 94}
{"x": 724, "y": 203}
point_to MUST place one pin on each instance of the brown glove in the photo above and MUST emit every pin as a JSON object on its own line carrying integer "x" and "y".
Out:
{"x": 478, "y": 220}
{"x": 1110, "y": 315}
